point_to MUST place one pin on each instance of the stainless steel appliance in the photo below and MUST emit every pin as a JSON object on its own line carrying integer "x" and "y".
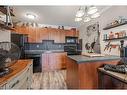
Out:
{"x": 71, "y": 40}
{"x": 72, "y": 49}
{"x": 20, "y": 40}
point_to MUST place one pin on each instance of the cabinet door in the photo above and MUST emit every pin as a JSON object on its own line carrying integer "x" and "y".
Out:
{"x": 52, "y": 61}
{"x": 72, "y": 33}
{"x": 3, "y": 86}
{"x": 57, "y": 36}
{"x": 62, "y": 36}
{"x": 69, "y": 33}
{"x": 52, "y": 34}
{"x": 30, "y": 74}
{"x": 64, "y": 58}
{"x": 18, "y": 80}
{"x": 44, "y": 34}
{"x": 77, "y": 33}
{"x": 45, "y": 62}
{"x": 38, "y": 33}
{"x": 32, "y": 34}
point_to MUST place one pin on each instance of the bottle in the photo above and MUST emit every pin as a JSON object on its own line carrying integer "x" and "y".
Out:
{"x": 117, "y": 35}
{"x": 111, "y": 35}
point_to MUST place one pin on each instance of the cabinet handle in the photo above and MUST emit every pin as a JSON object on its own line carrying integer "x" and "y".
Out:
{"x": 15, "y": 83}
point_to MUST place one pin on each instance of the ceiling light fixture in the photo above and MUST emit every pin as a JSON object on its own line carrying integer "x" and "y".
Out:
{"x": 92, "y": 10}
{"x": 86, "y": 19}
{"x": 30, "y": 16}
{"x": 87, "y": 13}
{"x": 80, "y": 13}
{"x": 95, "y": 15}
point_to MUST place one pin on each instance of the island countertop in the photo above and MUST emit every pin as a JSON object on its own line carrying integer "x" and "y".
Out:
{"x": 83, "y": 59}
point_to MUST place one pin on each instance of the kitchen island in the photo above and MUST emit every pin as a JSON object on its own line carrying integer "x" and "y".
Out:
{"x": 82, "y": 70}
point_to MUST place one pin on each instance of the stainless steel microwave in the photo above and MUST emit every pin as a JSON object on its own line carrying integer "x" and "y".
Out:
{"x": 71, "y": 40}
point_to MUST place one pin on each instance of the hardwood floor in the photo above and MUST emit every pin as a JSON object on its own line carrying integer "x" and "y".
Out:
{"x": 49, "y": 80}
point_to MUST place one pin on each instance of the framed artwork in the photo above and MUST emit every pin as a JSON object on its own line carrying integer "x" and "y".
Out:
{"x": 94, "y": 36}
{"x": 92, "y": 29}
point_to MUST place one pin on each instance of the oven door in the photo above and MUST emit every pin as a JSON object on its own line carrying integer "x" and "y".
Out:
{"x": 71, "y": 50}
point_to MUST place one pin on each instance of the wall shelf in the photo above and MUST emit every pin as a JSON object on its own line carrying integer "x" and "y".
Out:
{"x": 113, "y": 26}
{"x": 115, "y": 38}
{"x": 4, "y": 10}
{"x": 2, "y": 25}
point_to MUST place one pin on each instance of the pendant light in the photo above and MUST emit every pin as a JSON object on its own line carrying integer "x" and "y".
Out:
{"x": 87, "y": 13}
{"x": 77, "y": 19}
{"x": 80, "y": 12}
{"x": 87, "y": 19}
{"x": 92, "y": 10}
{"x": 95, "y": 15}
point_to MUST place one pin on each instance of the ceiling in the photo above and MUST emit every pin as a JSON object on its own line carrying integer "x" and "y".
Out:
{"x": 52, "y": 15}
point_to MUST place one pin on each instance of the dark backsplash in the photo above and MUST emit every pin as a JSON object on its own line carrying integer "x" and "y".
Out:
{"x": 45, "y": 45}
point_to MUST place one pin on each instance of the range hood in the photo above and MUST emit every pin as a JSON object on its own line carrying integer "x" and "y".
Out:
{"x": 5, "y": 18}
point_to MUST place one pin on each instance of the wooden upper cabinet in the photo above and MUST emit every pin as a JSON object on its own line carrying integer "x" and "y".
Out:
{"x": 20, "y": 30}
{"x": 39, "y": 34}
{"x": 58, "y": 35}
{"x": 62, "y": 36}
{"x": 53, "y": 34}
{"x": 72, "y": 33}
{"x": 32, "y": 34}
{"x": 44, "y": 34}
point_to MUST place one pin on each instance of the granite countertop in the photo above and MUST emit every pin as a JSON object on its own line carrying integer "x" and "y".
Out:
{"x": 42, "y": 51}
{"x": 82, "y": 58}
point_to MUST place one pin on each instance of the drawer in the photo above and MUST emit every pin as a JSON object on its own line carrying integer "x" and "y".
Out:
{"x": 3, "y": 86}
{"x": 16, "y": 82}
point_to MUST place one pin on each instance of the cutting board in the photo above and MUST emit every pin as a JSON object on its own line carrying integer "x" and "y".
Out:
{"x": 93, "y": 54}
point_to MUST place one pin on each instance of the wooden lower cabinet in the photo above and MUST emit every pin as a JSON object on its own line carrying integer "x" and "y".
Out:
{"x": 22, "y": 80}
{"x": 84, "y": 75}
{"x": 53, "y": 61}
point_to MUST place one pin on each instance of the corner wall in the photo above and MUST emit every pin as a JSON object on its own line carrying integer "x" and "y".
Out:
{"x": 5, "y": 35}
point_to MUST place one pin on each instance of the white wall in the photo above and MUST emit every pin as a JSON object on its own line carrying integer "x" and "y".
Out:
{"x": 107, "y": 17}
{"x": 5, "y": 35}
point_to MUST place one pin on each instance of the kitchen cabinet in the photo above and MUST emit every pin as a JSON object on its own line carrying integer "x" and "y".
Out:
{"x": 84, "y": 75}
{"x": 72, "y": 33}
{"x": 44, "y": 34}
{"x": 58, "y": 35}
{"x": 3, "y": 86}
{"x": 62, "y": 36}
{"x": 31, "y": 34}
{"x": 20, "y": 77}
{"x": 36, "y": 34}
{"x": 53, "y": 61}
{"x": 111, "y": 80}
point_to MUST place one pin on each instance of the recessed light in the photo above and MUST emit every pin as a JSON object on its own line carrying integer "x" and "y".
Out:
{"x": 30, "y": 16}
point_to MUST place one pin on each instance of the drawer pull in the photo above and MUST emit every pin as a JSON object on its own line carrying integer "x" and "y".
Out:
{"x": 15, "y": 83}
